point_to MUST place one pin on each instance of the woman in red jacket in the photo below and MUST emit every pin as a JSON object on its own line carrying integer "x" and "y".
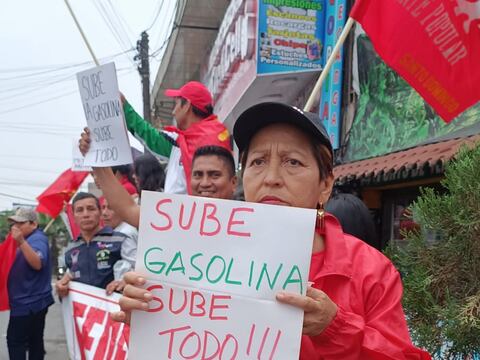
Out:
{"x": 353, "y": 308}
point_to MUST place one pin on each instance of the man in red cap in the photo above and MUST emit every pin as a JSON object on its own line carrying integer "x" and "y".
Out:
{"x": 196, "y": 126}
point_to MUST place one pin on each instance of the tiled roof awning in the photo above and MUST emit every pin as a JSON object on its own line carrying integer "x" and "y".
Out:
{"x": 417, "y": 162}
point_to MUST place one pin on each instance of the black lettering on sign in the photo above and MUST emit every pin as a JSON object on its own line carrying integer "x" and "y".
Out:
{"x": 92, "y": 84}
{"x": 103, "y": 155}
{"x": 102, "y": 133}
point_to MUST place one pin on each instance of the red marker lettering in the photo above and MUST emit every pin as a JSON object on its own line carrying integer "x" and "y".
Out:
{"x": 172, "y": 334}
{"x": 214, "y": 306}
{"x": 155, "y": 298}
{"x": 200, "y": 305}
{"x": 190, "y": 220}
{"x": 210, "y": 216}
{"x": 182, "y": 345}
{"x": 169, "y": 219}
{"x": 182, "y": 307}
{"x": 205, "y": 346}
{"x": 232, "y": 222}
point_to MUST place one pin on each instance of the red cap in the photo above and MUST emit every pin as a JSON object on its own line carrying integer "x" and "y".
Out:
{"x": 195, "y": 92}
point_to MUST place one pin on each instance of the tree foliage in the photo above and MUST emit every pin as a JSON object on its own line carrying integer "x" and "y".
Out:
{"x": 442, "y": 277}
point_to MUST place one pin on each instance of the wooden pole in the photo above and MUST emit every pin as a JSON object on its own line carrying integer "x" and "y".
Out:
{"x": 82, "y": 33}
{"x": 318, "y": 86}
{"x": 48, "y": 225}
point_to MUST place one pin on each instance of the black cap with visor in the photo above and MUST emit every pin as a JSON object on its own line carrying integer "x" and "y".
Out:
{"x": 261, "y": 115}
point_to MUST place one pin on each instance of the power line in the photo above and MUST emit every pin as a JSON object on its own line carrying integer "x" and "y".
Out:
{"x": 48, "y": 99}
{"x": 159, "y": 10}
{"x": 123, "y": 23}
{"x": 38, "y": 102}
{"x": 112, "y": 27}
{"x": 16, "y": 156}
{"x": 16, "y": 197}
{"x": 41, "y": 70}
{"x": 28, "y": 169}
{"x": 172, "y": 27}
{"x": 42, "y": 86}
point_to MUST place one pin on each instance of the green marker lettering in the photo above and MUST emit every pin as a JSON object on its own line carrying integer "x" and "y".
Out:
{"x": 265, "y": 271}
{"x": 212, "y": 260}
{"x": 291, "y": 279}
{"x": 250, "y": 275}
{"x": 149, "y": 264}
{"x": 200, "y": 272}
{"x": 227, "y": 278}
{"x": 177, "y": 257}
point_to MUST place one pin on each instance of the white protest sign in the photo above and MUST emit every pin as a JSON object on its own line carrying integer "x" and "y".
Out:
{"x": 89, "y": 329}
{"x": 214, "y": 268}
{"x": 104, "y": 113}
{"x": 78, "y": 159}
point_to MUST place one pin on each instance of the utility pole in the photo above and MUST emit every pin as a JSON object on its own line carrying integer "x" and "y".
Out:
{"x": 144, "y": 70}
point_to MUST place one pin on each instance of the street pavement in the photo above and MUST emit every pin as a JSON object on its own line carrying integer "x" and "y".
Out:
{"x": 54, "y": 336}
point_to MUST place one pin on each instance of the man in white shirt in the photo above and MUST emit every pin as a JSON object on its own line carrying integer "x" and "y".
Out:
{"x": 129, "y": 246}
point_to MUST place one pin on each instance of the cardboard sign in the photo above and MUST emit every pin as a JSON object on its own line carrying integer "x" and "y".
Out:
{"x": 89, "y": 330}
{"x": 78, "y": 159}
{"x": 214, "y": 268}
{"x": 104, "y": 113}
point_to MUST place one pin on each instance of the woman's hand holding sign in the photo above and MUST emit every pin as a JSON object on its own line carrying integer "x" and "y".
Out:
{"x": 319, "y": 309}
{"x": 134, "y": 297}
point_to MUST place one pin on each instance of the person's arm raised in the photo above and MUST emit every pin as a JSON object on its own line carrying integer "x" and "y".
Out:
{"x": 145, "y": 132}
{"x": 118, "y": 198}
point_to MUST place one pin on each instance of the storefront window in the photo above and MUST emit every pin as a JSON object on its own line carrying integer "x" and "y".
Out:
{"x": 401, "y": 219}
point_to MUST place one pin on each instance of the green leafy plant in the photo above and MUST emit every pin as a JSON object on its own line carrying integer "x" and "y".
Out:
{"x": 442, "y": 277}
{"x": 390, "y": 114}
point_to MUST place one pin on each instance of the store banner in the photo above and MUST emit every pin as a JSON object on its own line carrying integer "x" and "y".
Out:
{"x": 89, "y": 330}
{"x": 433, "y": 45}
{"x": 331, "y": 94}
{"x": 290, "y": 35}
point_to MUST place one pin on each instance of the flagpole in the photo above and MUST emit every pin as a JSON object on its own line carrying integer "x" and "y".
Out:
{"x": 318, "y": 86}
{"x": 49, "y": 224}
{"x": 82, "y": 33}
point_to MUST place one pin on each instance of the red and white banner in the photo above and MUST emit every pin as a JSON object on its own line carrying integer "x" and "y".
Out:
{"x": 433, "y": 44}
{"x": 91, "y": 333}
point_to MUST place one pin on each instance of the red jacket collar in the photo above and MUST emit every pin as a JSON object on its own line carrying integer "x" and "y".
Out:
{"x": 337, "y": 260}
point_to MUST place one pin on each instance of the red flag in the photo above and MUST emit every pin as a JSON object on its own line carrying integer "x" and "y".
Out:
{"x": 52, "y": 200}
{"x": 208, "y": 131}
{"x": 433, "y": 45}
{"x": 69, "y": 221}
{"x": 8, "y": 251}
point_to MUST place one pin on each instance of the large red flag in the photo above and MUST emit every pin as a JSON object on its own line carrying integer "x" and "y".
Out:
{"x": 8, "y": 250}
{"x": 52, "y": 200}
{"x": 433, "y": 44}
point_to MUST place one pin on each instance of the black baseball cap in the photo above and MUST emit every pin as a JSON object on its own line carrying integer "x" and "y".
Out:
{"x": 261, "y": 115}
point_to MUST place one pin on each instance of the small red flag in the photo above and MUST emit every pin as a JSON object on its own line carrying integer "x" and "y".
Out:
{"x": 8, "y": 251}
{"x": 433, "y": 45}
{"x": 52, "y": 200}
{"x": 208, "y": 131}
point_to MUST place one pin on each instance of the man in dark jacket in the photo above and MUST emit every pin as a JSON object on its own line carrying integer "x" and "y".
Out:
{"x": 91, "y": 257}
{"x": 29, "y": 287}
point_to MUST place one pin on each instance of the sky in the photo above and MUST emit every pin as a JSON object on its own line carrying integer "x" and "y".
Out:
{"x": 40, "y": 109}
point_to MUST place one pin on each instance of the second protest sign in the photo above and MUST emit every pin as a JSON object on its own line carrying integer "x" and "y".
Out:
{"x": 104, "y": 114}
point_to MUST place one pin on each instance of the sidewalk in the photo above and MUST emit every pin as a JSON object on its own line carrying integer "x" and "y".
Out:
{"x": 54, "y": 335}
